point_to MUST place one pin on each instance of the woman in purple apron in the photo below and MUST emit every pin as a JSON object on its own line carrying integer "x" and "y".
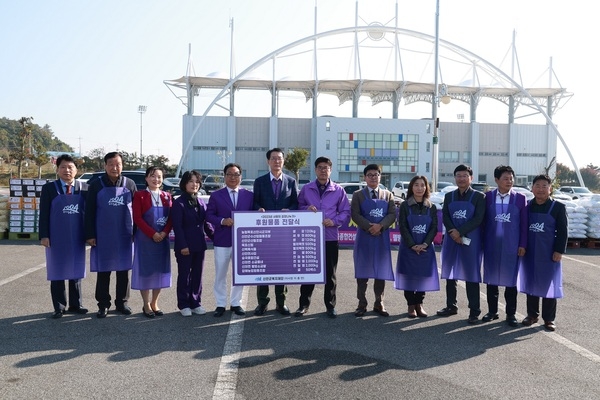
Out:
{"x": 151, "y": 258}
{"x": 461, "y": 261}
{"x": 416, "y": 269}
{"x": 540, "y": 273}
{"x": 373, "y": 210}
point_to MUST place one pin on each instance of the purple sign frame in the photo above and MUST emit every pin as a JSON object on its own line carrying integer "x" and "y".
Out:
{"x": 278, "y": 248}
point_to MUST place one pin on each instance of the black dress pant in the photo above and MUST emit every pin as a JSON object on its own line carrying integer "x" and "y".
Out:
{"x": 472, "y": 296}
{"x": 548, "y": 308}
{"x": 510, "y": 296}
{"x": 262, "y": 294}
{"x": 331, "y": 261}
{"x": 59, "y": 294}
{"x": 414, "y": 298}
{"x": 103, "y": 286}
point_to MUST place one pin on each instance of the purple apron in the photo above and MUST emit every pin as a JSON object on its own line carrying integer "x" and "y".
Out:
{"x": 460, "y": 261}
{"x": 415, "y": 272}
{"x": 114, "y": 230}
{"x": 373, "y": 254}
{"x": 539, "y": 275}
{"x": 501, "y": 243}
{"x": 65, "y": 258}
{"x": 152, "y": 261}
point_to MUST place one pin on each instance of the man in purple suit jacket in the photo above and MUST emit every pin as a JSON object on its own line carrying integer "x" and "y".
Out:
{"x": 274, "y": 191}
{"x": 218, "y": 212}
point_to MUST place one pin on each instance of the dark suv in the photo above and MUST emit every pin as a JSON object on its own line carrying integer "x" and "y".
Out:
{"x": 212, "y": 182}
{"x": 139, "y": 177}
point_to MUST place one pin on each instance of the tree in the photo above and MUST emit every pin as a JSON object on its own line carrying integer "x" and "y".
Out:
{"x": 40, "y": 157}
{"x": 21, "y": 153}
{"x": 564, "y": 175}
{"x": 590, "y": 177}
{"x": 296, "y": 160}
{"x": 95, "y": 159}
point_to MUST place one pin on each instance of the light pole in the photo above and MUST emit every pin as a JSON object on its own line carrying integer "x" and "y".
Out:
{"x": 435, "y": 103}
{"x": 141, "y": 110}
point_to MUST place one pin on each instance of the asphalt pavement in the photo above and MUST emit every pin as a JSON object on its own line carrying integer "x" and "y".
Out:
{"x": 273, "y": 356}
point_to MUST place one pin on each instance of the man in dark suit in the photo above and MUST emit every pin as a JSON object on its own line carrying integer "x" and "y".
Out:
{"x": 218, "y": 213}
{"x": 61, "y": 233}
{"x": 109, "y": 231}
{"x": 274, "y": 191}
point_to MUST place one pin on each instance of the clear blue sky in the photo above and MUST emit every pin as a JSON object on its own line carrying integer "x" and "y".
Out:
{"x": 83, "y": 67}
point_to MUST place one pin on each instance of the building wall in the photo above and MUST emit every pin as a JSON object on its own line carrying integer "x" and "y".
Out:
{"x": 402, "y": 147}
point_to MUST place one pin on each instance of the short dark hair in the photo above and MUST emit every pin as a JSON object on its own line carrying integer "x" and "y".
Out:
{"x": 152, "y": 169}
{"x": 275, "y": 150}
{"x": 232, "y": 165}
{"x": 463, "y": 167}
{"x": 500, "y": 169}
{"x": 112, "y": 154}
{"x": 409, "y": 192}
{"x": 65, "y": 158}
{"x": 187, "y": 176}
{"x": 371, "y": 167}
{"x": 325, "y": 160}
{"x": 542, "y": 177}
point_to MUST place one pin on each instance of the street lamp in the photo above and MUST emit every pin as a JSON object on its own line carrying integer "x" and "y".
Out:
{"x": 141, "y": 110}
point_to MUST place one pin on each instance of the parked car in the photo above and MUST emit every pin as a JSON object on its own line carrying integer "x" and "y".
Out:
{"x": 575, "y": 192}
{"x": 351, "y": 187}
{"x": 247, "y": 184}
{"x": 137, "y": 176}
{"x": 400, "y": 189}
{"x": 302, "y": 182}
{"x": 526, "y": 192}
{"x": 481, "y": 186}
{"x": 558, "y": 195}
{"x": 210, "y": 183}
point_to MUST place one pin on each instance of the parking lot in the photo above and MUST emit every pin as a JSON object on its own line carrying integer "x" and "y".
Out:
{"x": 287, "y": 357}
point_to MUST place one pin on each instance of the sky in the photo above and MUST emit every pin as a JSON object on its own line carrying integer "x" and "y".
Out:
{"x": 84, "y": 67}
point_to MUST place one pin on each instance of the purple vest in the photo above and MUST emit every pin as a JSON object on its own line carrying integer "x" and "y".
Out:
{"x": 538, "y": 274}
{"x": 460, "y": 261}
{"x": 152, "y": 261}
{"x": 417, "y": 272}
{"x": 373, "y": 254}
{"x": 114, "y": 230}
{"x": 65, "y": 258}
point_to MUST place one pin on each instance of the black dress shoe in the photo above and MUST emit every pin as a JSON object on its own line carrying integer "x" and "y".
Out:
{"x": 219, "y": 311}
{"x": 528, "y": 321}
{"x": 473, "y": 319}
{"x": 148, "y": 314}
{"x": 77, "y": 310}
{"x": 57, "y": 314}
{"x": 283, "y": 310}
{"x": 512, "y": 320}
{"x": 447, "y": 311}
{"x": 550, "y": 326}
{"x": 125, "y": 310}
{"x": 381, "y": 311}
{"x": 260, "y": 309}
{"x": 489, "y": 317}
{"x": 102, "y": 312}
{"x": 301, "y": 311}
{"x": 331, "y": 313}
{"x": 159, "y": 312}
{"x": 237, "y": 310}
{"x": 360, "y": 311}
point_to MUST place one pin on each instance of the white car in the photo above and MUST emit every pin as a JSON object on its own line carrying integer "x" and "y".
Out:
{"x": 522, "y": 190}
{"x": 351, "y": 187}
{"x": 575, "y": 192}
{"x": 400, "y": 189}
{"x": 247, "y": 184}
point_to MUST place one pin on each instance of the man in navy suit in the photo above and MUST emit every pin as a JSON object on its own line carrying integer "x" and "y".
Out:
{"x": 218, "y": 212}
{"x": 274, "y": 191}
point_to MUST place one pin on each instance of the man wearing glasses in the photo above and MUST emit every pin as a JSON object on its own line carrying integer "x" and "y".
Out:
{"x": 274, "y": 191}
{"x": 330, "y": 198}
{"x": 462, "y": 250}
{"x": 219, "y": 213}
{"x": 373, "y": 210}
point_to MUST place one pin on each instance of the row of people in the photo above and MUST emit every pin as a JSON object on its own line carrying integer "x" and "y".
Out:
{"x": 113, "y": 206}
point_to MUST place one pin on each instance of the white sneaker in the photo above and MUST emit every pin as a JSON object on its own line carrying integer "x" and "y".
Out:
{"x": 186, "y": 312}
{"x": 199, "y": 310}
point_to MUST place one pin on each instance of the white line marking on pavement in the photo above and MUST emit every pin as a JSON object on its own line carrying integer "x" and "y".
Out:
{"x": 227, "y": 375}
{"x": 582, "y": 262}
{"x": 22, "y": 274}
